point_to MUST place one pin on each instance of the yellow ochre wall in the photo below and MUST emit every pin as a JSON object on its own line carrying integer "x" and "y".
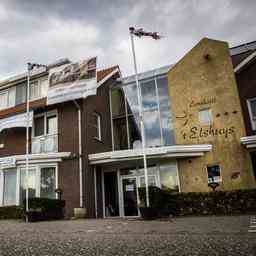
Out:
{"x": 204, "y": 78}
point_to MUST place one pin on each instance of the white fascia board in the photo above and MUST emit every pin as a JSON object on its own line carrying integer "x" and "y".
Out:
{"x": 44, "y": 157}
{"x": 244, "y": 62}
{"x": 174, "y": 151}
{"x": 167, "y": 156}
{"x": 248, "y": 140}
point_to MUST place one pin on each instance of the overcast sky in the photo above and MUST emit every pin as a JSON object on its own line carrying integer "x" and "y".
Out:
{"x": 46, "y": 30}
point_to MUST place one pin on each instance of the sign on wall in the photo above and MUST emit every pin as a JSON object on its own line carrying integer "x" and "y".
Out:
{"x": 72, "y": 81}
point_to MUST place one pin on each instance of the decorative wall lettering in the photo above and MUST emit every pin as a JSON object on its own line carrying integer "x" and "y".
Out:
{"x": 185, "y": 117}
{"x": 196, "y": 132}
{"x": 204, "y": 101}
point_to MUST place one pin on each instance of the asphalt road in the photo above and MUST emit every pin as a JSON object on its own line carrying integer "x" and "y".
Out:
{"x": 180, "y": 236}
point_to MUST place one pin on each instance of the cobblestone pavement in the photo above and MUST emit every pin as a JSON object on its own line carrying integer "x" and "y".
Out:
{"x": 179, "y": 236}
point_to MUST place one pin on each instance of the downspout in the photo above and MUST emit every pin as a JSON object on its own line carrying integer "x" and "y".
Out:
{"x": 80, "y": 153}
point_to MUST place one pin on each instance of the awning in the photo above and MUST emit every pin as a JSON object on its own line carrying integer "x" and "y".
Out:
{"x": 19, "y": 120}
{"x": 13, "y": 161}
{"x": 177, "y": 151}
{"x": 72, "y": 81}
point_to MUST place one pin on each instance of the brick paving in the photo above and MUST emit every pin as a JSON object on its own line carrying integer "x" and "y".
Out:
{"x": 179, "y": 236}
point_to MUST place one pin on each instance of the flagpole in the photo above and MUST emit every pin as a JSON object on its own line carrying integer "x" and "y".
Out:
{"x": 141, "y": 119}
{"x": 27, "y": 139}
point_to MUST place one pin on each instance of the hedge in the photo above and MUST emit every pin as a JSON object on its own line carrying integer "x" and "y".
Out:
{"x": 205, "y": 203}
{"x": 44, "y": 209}
{"x": 11, "y": 212}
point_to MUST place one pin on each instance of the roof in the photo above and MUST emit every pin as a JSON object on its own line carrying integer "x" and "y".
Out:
{"x": 22, "y": 76}
{"x": 245, "y": 62}
{"x": 148, "y": 74}
{"x": 251, "y": 46}
{"x": 103, "y": 73}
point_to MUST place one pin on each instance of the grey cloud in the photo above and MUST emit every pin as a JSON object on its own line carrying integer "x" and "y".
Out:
{"x": 43, "y": 31}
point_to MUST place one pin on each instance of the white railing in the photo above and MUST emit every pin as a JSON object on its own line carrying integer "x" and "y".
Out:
{"x": 45, "y": 144}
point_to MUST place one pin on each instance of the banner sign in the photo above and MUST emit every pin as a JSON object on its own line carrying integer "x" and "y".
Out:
{"x": 19, "y": 120}
{"x": 72, "y": 81}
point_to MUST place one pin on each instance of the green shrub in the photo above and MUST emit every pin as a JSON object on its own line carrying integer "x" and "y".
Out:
{"x": 10, "y": 212}
{"x": 206, "y": 203}
{"x": 44, "y": 209}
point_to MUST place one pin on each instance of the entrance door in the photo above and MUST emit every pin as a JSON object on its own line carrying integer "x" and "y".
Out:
{"x": 130, "y": 196}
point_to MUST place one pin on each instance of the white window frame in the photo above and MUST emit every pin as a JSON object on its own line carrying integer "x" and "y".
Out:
{"x": 209, "y": 165}
{"x": 253, "y": 122}
{"x": 45, "y": 115}
{"x": 37, "y": 168}
{"x": 8, "y": 101}
{"x": 41, "y": 93}
{"x": 98, "y": 127}
{"x": 210, "y": 115}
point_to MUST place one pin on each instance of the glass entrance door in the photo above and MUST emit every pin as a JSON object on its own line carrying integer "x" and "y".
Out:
{"x": 130, "y": 196}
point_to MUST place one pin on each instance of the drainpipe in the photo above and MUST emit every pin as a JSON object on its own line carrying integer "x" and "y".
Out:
{"x": 80, "y": 153}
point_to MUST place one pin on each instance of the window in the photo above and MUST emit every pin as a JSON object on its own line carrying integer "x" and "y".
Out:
{"x": 45, "y": 124}
{"x": 51, "y": 124}
{"x": 48, "y": 182}
{"x": 2, "y": 138}
{"x": 96, "y": 124}
{"x": 213, "y": 172}
{"x": 156, "y": 109}
{"x": 38, "y": 89}
{"x": 39, "y": 126}
{"x": 3, "y": 100}
{"x": 205, "y": 116}
{"x": 252, "y": 112}
{"x": 31, "y": 182}
{"x": 21, "y": 93}
{"x": 169, "y": 176}
{"x": 151, "y": 181}
{"x": 10, "y": 183}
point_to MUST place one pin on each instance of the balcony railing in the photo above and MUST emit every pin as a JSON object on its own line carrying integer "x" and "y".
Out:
{"x": 45, "y": 144}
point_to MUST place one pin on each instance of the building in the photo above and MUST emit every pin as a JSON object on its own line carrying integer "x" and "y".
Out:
{"x": 90, "y": 145}
{"x": 243, "y": 57}
{"x": 192, "y": 134}
{"x": 56, "y": 156}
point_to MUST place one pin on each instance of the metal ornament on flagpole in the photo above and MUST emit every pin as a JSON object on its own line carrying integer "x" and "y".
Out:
{"x": 141, "y": 119}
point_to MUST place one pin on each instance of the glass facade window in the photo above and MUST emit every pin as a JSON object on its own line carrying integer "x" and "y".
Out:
{"x": 47, "y": 183}
{"x": 164, "y": 175}
{"x": 156, "y": 109}
{"x": 10, "y": 183}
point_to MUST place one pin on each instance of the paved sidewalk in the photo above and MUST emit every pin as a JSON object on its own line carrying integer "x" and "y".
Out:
{"x": 180, "y": 236}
